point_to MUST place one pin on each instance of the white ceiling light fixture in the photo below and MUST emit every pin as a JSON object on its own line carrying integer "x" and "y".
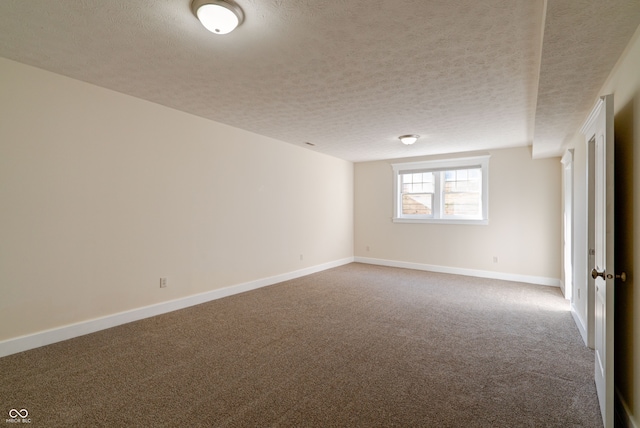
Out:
{"x": 217, "y": 16}
{"x": 408, "y": 139}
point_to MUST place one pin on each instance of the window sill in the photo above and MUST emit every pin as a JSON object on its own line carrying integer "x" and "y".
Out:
{"x": 480, "y": 222}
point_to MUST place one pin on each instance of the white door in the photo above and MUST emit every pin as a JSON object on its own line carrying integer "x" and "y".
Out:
{"x": 599, "y": 132}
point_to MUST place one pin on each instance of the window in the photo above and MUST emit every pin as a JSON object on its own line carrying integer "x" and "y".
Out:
{"x": 442, "y": 191}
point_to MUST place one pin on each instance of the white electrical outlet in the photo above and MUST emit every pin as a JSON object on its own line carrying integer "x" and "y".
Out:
{"x": 301, "y": 257}
{"x": 163, "y": 282}
{"x": 495, "y": 259}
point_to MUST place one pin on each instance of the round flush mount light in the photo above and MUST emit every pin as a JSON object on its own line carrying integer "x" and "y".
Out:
{"x": 408, "y": 139}
{"x": 217, "y": 16}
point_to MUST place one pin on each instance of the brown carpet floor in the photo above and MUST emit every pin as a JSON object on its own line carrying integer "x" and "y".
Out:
{"x": 359, "y": 345}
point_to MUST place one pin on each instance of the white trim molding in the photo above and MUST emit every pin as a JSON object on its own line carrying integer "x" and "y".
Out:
{"x": 590, "y": 122}
{"x": 539, "y": 280}
{"x": 582, "y": 327}
{"x": 47, "y": 337}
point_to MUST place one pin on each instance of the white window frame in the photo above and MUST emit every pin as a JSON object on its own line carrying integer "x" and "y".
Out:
{"x": 481, "y": 162}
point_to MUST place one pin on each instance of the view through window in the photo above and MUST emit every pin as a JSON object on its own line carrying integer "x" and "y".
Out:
{"x": 443, "y": 190}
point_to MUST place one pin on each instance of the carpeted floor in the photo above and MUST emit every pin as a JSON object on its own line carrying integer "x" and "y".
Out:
{"x": 359, "y": 345}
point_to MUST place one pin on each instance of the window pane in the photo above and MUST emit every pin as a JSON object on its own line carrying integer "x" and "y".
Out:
{"x": 417, "y": 183}
{"x": 462, "y": 193}
{"x": 417, "y": 204}
{"x": 406, "y": 183}
{"x": 428, "y": 187}
{"x": 417, "y": 193}
{"x": 475, "y": 173}
{"x": 428, "y": 182}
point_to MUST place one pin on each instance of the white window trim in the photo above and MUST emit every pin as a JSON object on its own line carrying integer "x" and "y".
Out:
{"x": 435, "y": 165}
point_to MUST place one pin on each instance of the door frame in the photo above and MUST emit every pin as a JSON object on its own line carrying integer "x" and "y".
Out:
{"x": 568, "y": 226}
{"x": 599, "y": 127}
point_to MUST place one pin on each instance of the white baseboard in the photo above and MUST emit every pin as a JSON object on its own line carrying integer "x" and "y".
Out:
{"x": 539, "y": 280}
{"x": 582, "y": 327}
{"x": 47, "y": 337}
{"x": 623, "y": 413}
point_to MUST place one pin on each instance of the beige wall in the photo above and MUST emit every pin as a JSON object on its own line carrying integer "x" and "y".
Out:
{"x": 624, "y": 84}
{"x": 524, "y": 220}
{"x": 102, "y": 194}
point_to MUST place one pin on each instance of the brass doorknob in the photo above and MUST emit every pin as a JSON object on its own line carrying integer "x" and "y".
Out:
{"x": 595, "y": 274}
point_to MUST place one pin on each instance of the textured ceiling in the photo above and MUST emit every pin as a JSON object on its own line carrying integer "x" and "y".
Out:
{"x": 583, "y": 40}
{"x": 349, "y": 76}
